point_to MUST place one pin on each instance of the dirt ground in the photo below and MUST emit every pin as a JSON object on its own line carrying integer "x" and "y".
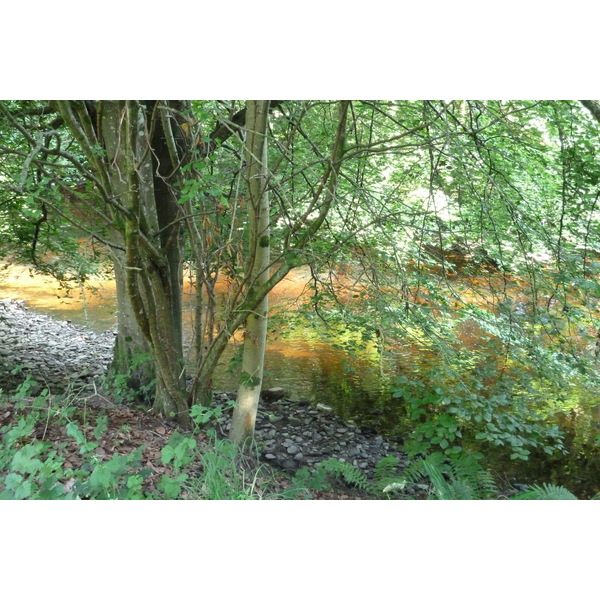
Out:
{"x": 128, "y": 428}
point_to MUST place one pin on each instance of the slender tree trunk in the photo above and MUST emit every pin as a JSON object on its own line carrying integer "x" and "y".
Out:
{"x": 255, "y": 337}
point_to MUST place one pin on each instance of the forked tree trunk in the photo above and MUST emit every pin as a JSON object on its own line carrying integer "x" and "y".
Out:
{"x": 149, "y": 268}
{"x": 255, "y": 338}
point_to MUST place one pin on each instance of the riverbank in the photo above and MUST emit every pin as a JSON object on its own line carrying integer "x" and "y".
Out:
{"x": 290, "y": 434}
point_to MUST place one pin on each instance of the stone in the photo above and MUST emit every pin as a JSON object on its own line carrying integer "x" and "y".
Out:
{"x": 272, "y": 394}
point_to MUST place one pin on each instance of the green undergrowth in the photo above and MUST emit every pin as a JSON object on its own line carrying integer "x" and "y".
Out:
{"x": 435, "y": 477}
{"x": 201, "y": 465}
{"x": 194, "y": 465}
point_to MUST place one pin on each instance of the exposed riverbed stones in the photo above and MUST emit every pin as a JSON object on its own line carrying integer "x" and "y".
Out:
{"x": 290, "y": 433}
{"x": 55, "y": 354}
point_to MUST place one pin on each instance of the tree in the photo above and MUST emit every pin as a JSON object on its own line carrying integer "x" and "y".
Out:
{"x": 133, "y": 154}
{"x": 394, "y": 206}
{"x": 127, "y": 148}
{"x": 255, "y": 335}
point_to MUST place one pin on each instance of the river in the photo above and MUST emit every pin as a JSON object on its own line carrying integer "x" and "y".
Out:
{"x": 303, "y": 364}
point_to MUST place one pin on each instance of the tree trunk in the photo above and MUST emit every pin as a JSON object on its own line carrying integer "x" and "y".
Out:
{"x": 132, "y": 358}
{"x": 151, "y": 266}
{"x": 255, "y": 338}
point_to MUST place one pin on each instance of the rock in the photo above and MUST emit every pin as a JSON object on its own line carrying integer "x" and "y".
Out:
{"x": 324, "y": 408}
{"x": 272, "y": 394}
{"x": 56, "y": 354}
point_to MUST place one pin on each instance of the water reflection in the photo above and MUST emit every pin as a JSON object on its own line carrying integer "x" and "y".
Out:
{"x": 305, "y": 366}
{"x": 92, "y": 306}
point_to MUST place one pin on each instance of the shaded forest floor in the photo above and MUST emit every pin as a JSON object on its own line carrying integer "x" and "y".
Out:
{"x": 85, "y": 432}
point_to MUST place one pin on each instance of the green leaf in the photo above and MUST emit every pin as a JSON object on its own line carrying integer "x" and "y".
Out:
{"x": 171, "y": 486}
{"x": 75, "y": 433}
{"x": 101, "y": 477}
{"x": 24, "y": 460}
{"x": 167, "y": 454}
{"x": 19, "y": 487}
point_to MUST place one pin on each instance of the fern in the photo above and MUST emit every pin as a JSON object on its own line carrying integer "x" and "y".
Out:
{"x": 386, "y": 473}
{"x": 461, "y": 478}
{"x": 546, "y": 491}
{"x": 316, "y": 481}
{"x": 349, "y": 473}
{"x": 467, "y": 469}
{"x": 328, "y": 469}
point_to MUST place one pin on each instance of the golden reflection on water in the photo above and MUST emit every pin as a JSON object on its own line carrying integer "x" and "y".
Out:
{"x": 92, "y": 305}
{"x": 302, "y": 366}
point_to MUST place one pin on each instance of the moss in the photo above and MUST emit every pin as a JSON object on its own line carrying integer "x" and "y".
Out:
{"x": 264, "y": 241}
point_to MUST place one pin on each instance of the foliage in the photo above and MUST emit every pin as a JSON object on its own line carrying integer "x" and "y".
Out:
{"x": 332, "y": 469}
{"x": 35, "y": 469}
{"x": 456, "y": 478}
{"x": 462, "y": 411}
{"x": 546, "y": 491}
{"x": 432, "y": 218}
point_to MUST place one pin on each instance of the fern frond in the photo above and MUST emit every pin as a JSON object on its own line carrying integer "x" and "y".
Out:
{"x": 442, "y": 490}
{"x": 461, "y": 490}
{"x": 461, "y": 478}
{"x": 416, "y": 470}
{"x": 386, "y": 474}
{"x": 386, "y": 468}
{"x": 349, "y": 473}
{"x": 466, "y": 468}
{"x": 546, "y": 491}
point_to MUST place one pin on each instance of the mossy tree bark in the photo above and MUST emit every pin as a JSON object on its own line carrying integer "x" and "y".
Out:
{"x": 152, "y": 269}
{"x": 132, "y": 358}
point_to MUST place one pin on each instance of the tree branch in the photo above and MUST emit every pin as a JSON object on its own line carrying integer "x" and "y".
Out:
{"x": 226, "y": 129}
{"x": 594, "y": 107}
